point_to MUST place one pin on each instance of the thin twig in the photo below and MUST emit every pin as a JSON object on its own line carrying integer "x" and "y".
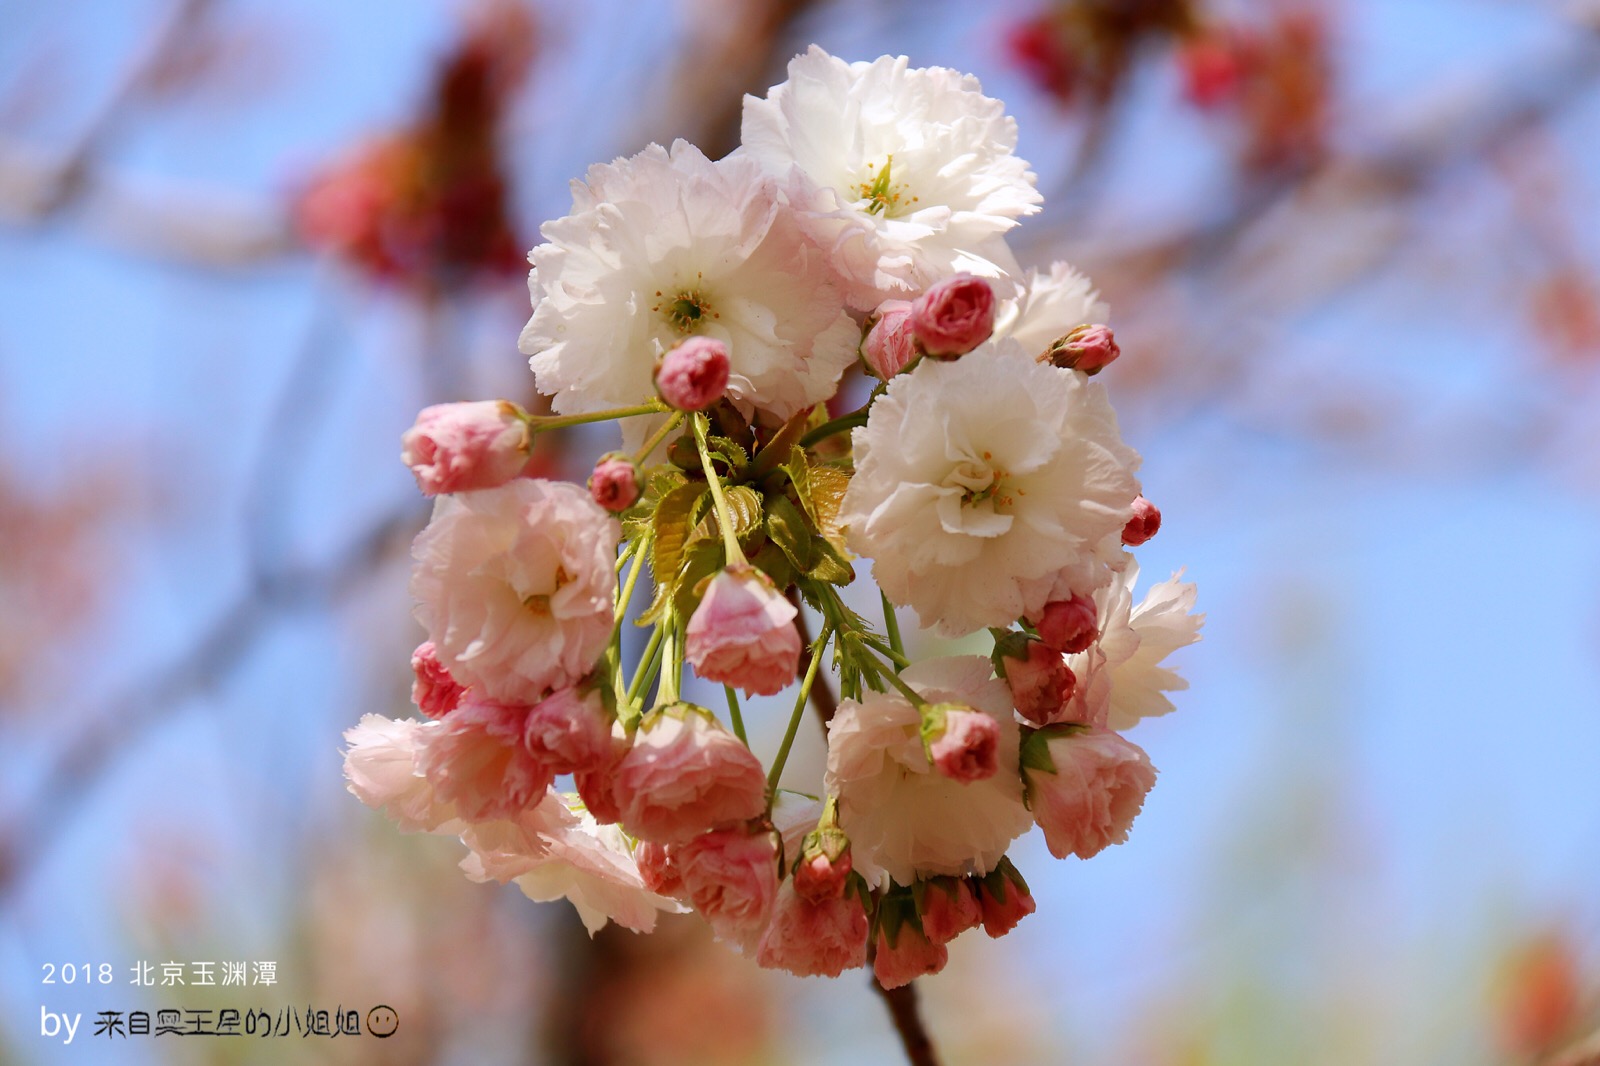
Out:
{"x": 903, "y": 1009}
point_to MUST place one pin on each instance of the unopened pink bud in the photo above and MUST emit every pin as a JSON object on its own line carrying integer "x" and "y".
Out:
{"x": 1144, "y": 524}
{"x": 433, "y": 690}
{"x": 1040, "y": 680}
{"x": 948, "y": 909}
{"x": 614, "y": 483}
{"x": 824, "y": 866}
{"x": 1004, "y": 898}
{"x": 967, "y": 748}
{"x": 908, "y": 956}
{"x": 890, "y": 345}
{"x": 1069, "y": 626}
{"x": 694, "y": 375}
{"x": 1087, "y": 348}
{"x": 953, "y": 317}
{"x": 457, "y": 447}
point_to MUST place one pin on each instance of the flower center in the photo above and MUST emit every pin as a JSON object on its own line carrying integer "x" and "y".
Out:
{"x": 881, "y": 194}
{"x": 686, "y": 309}
{"x": 980, "y": 481}
{"x": 539, "y": 604}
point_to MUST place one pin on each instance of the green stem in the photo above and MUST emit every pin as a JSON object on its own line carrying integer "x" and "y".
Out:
{"x": 730, "y": 542}
{"x": 626, "y": 595}
{"x": 543, "y": 423}
{"x": 833, "y": 426}
{"x": 671, "y": 663}
{"x": 799, "y": 711}
{"x": 733, "y": 713}
{"x": 649, "y": 665}
{"x": 891, "y": 626}
{"x": 891, "y": 676}
{"x": 660, "y": 435}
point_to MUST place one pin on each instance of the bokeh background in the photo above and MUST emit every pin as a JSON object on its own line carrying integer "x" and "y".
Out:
{"x": 1353, "y": 255}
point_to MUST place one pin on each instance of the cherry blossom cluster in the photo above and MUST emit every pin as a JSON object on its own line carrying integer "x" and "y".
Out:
{"x": 730, "y": 317}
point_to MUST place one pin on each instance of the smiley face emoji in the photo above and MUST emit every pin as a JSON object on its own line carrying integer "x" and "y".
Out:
{"x": 382, "y": 1021}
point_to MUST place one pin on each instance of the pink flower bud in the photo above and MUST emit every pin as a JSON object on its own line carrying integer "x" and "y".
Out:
{"x": 1213, "y": 67}
{"x": 457, "y": 447}
{"x": 743, "y": 633}
{"x": 948, "y": 908}
{"x": 1144, "y": 524}
{"x": 1085, "y": 787}
{"x": 569, "y": 731}
{"x": 433, "y": 690}
{"x": 614, "y": 484}
{"x": 953, "y": 317}
{"x": 1004, "y": 899}
{"x": 824, "y": 866}
{"x": 1069, "y": 626}
{"x": 814, "y": 937}
{"x": 908, "y": 955}
{"x": 1040, "y": 680}
{"x": 1087, "y": 348}
{"x": 694, "y": 375}
{"x": 658, "y": 868}
{"x": 890, "y": 345}
{"x": 965, "y": 746}
{"x": 731, "y": 877}
{"x": 684, "y": 775}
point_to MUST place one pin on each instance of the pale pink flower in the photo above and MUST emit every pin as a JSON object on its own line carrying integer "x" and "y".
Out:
{"x": 658, "y": 866}
{"x": 1004, "y": 899}
{"x": 477, "y": 761}
{"x": 891, "y": 344}
{"x": 597, "y": 786}
{"x": 685, "y": 774}
{"x": 953, "y": 317}
{"x": 614, "y": 485}
{"x": 731, "y": 876}
{"x": 966, "y": 748}
{"x": 433, "y": 690}
{"x": 1085, "y": 788}
{"x": 694, "y": 375}
{"x": 381, "y": 771}
{"x": 1145, "y": 523}
{"x": 454, "y": 447}
{"x": 570, "y": 731}
{"x": 904, "y": 818}
{"x": 1069, "y": 625}
{"x": 1040, "y": 681}
{"x": 743, "y": 633}
{"x": 948, "y": 907}
{"x": 814, "y": 937}
{"x": 515, "y": 584}
{"x": 907, "y": 956}
{"x": 554, "y": 854}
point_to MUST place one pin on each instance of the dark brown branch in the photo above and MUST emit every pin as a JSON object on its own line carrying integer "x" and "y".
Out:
{"x": 902, "y": 1003}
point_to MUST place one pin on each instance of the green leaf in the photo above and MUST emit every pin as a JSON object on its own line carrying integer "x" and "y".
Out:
{"x": 830, "y": 566}
{"x": 788, "y": 529}
{"x": 744, "y": 508}
{"x": 827, "y": 488}
{"x": 673, "y": 518}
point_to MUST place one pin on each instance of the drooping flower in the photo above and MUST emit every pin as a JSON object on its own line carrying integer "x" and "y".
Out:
{"x": 1040, "y": 681}
{"x": 919, "y": 176}
{"x": 904, "y": 952}
{"x": 478, "y": 762}
{"x": 731, "y": 877}
{"x": 684, "y": 775}
{"x": 569, "y": 731}
{"x": 814, "y": 937}
{"x": 948, "y": 907}
{"x": 1085, "y": 788}
{"x": 665, "y": 245}
{"x": 976, "y": 480}
{"x": 455, "y": 447}
{"x": 964, "y": 745}
{"x": 1004, "y": 898}
{"x": 563, "y": 853}
{"x": 380, "y": 768}
{"x": 743, "y": 633}
{"x": 905, "y": 819}
{"x": 822, "y": 869}
{"x": 515, "y": 584}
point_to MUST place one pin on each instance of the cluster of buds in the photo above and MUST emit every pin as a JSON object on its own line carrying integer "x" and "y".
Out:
{"x": 988, "y": 487}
